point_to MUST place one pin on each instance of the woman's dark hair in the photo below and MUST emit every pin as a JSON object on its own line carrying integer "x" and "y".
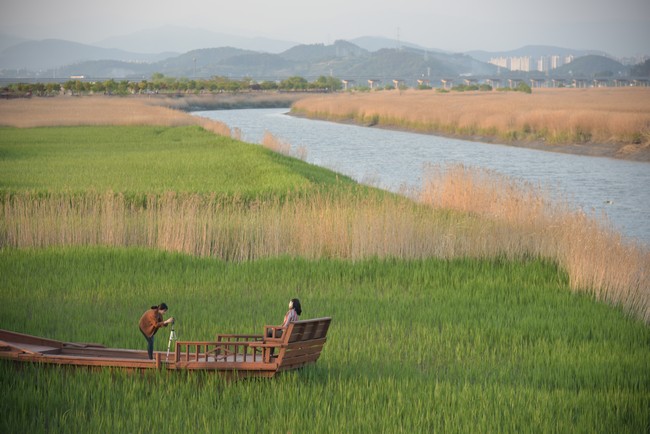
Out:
{"x": 296, "y": 306}
{"x": 161, "y": 306}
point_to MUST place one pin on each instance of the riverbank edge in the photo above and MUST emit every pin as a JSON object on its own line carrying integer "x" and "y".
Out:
{"x": 235, "y": 101}
{"x": 264, "y": 100}
{"x": 628, "y": 152}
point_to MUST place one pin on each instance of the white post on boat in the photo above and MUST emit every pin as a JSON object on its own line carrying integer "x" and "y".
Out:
{"x": 172, "y": 337}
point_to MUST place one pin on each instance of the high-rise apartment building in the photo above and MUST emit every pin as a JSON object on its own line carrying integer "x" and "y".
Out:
{"x": 526, "y": 64}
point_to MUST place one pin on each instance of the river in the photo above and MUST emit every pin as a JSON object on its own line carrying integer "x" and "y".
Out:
{"x": 393, "y": 159}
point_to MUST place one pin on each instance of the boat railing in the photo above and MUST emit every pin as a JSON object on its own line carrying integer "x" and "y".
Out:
{"x": 224, "y": 351}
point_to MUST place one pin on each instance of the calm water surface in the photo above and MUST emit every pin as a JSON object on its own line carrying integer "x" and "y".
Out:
{"x": 393, "y": 159}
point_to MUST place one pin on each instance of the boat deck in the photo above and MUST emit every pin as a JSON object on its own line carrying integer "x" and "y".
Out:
{"x": 242, "y": 355}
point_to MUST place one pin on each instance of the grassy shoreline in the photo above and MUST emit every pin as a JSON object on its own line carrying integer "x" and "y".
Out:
{"x": 611, "y": 123}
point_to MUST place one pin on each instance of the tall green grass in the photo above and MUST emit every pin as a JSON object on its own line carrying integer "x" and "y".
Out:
{"x": 429, "y": 345}
{"x": 146, "y": 159}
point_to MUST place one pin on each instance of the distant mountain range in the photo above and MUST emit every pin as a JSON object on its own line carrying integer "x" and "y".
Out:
{"x": 376, "y": 43}
{"x": 341, "y": 59}
{"x": 182, "y": 52}
{"x": 57, "y": 53}
{"x": 182, "y": 39}
{"x": 7, "y": 41}
{"x": 586, "y": 65}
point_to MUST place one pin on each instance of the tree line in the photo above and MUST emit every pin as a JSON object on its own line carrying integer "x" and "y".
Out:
{"x": 161, "y": 84}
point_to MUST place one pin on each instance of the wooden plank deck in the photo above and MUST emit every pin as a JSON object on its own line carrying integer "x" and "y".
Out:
{"x": 240, "y": 355}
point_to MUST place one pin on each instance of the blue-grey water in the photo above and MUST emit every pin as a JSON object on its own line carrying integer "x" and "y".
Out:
{"x": 394, "y": 159}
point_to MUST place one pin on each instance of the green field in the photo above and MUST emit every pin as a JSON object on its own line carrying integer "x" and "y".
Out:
{"x": 415, "y": 346}
{"x": 420, "y": 345}
{"x": 146, "y": 160}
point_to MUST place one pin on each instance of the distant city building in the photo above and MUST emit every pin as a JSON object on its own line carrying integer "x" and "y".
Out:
{"x": 527, "y": 64}
{"x": 521, "y": 63}
{"x": 543, "y": 64}
{"x": 502, "y": 62}
{"x": 555, "y": 62}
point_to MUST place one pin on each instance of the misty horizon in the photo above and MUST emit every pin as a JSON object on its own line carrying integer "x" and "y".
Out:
{"x": 621, "y": 30}
{"x": 178, "y": 40}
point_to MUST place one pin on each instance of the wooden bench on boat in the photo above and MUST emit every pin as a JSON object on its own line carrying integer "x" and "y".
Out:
{"x": 300, "y": 344}
{"x": 297, "y": 345}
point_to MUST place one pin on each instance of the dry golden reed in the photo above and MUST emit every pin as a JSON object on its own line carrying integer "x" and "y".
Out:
{"x": 351, "y": 226}
{"x": 528, "y": 223}
{"x": 98, "y": 110}
{"x": 618, "y": 117}
{"x": 283, "y": 147}
{"x": 497, "y": 218}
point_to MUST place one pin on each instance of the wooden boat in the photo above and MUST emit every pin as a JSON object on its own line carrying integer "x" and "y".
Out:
{"x": 298, "y": 345}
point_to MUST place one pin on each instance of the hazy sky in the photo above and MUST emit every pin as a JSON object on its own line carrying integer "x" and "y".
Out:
{"x": 620, "y": 28}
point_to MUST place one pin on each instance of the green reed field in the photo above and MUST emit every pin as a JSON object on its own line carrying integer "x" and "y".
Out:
{"x": 415, "y": 346}
{"x": 437, "y": 326}
{"x": 146, "y": 160}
